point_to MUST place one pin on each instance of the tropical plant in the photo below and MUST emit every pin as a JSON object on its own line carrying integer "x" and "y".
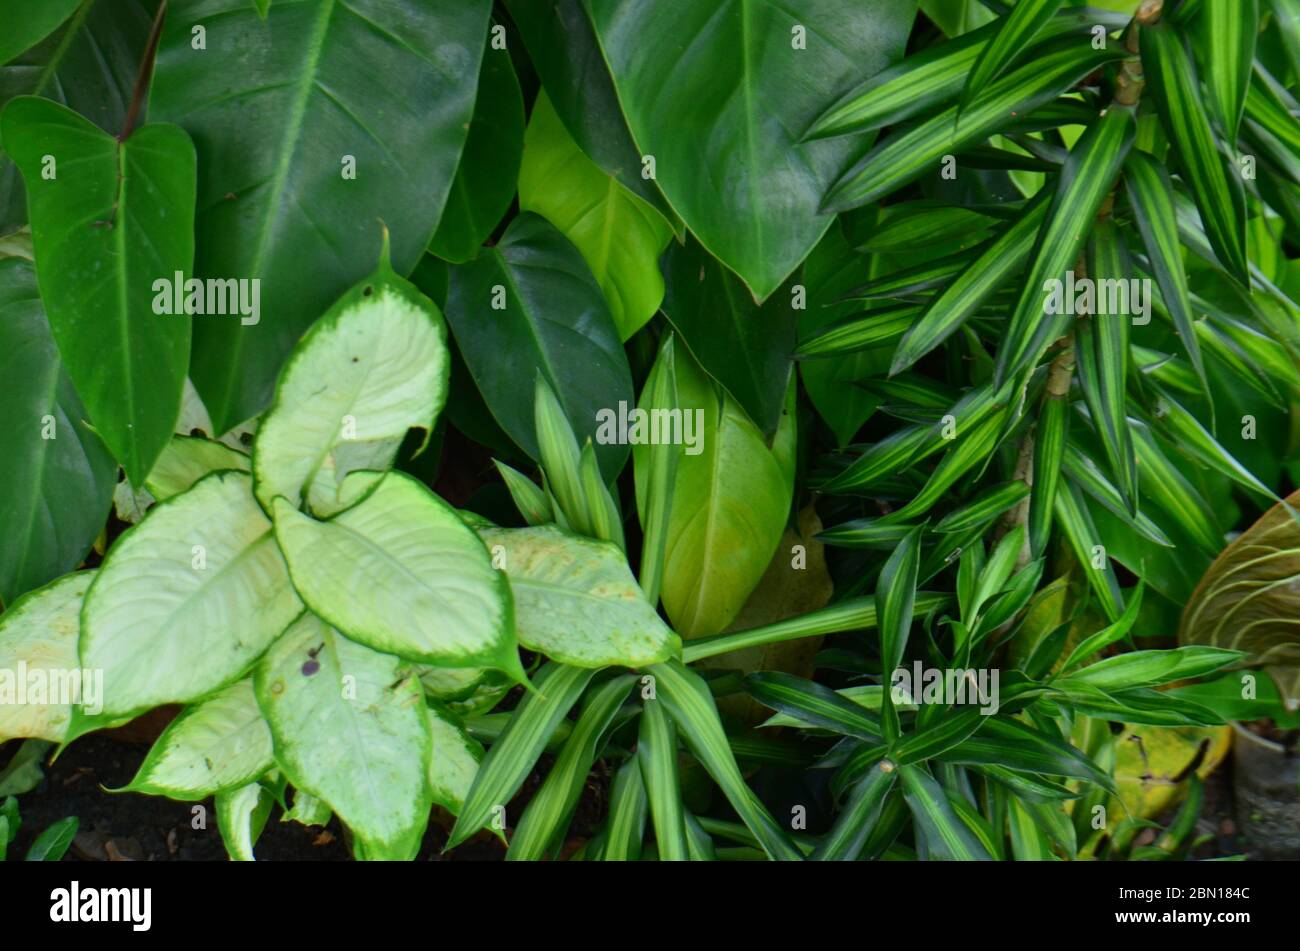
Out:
{"x": 900, "y": 373}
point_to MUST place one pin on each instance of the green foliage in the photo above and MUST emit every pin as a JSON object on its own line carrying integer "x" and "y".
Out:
{"x": 670, "y": 299}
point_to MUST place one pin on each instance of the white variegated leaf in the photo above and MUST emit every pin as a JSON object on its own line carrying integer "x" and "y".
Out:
{"x": 576, "y": 600}
{"x": 38, "y": 647}
{"x": 374, "y": 366}
{"x": 400, "y": 572}
{"x": 187, "y": 600}
{"x": 217, "y": 744}
{"x": 350, "y": 727}
{"x": 187, "y": 459}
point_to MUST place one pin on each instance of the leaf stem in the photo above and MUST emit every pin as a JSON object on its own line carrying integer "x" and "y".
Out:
{"x": 144, "y": 75}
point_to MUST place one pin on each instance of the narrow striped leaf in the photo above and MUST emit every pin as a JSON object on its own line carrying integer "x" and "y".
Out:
{"x": 932, "y": 76}
{"x": 531, "y": 501}
{"x": 1196, "y": 439}
{"x": 1171, "y": 80}
{"x": 1225, "y": 33}
{"x": 947, "y": 837}
{"x": 850, "y": 614}
{"x": 1173, "y": 493}
{"x": 1084, "y": 540}
{"x": 692, "y": 708}
{"x": 1286, "y": 16}
{"x": 904, "y": 157}
{"x": 895, "y": 606}
{"x": 1001, "y": 258}
{"x": 698, "y": 841}
{"x": 910, "y": 224}
{"x": 1101, "y": 348}
{"x": 861, "y": 332}
{"x": 844, "y": 842}
{"x": 812, "y": 704}
{"x": 1084, "y": 183}
{"x": 1015, "y": 32}
{"x": 1272, "y": 108}
{"x": 909, "y": 281}
{"x": 1108, "y": 635}
{"x": 1153, "y": 667}
{"x": 656, "y": 751}
{"x": 561, "y": 458}
{"x": 606, "y": 521}
{"x": 550, "y": 809}
{"x": 660, "y": 393}
{"x": 511, "y": 758}
{"x": 909, "y": 446}
{"x": 950, "y": 731}
{"x": 877, "y": 533}
{"x": 625, "y": 828}
{"x": 1151, "y": 194}
{"x": 973, "y": 448}
{"x": 1050, "y": 438}
{"x": 1013, "y": 745}
{"x": 985, "y": 508}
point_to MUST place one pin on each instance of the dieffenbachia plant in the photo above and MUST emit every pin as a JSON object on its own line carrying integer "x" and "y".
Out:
{"x": 321, "y": 617}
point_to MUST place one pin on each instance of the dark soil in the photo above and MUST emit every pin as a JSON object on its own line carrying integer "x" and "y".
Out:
{"x": 134, "y": 827}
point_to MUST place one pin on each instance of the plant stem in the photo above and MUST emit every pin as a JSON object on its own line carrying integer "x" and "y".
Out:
{"x": 144, "y": 75}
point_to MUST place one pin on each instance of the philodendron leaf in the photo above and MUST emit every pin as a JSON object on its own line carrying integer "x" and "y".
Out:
{"x": 620, "y": 235}
{"x": 400, "y": 572}
{"x": 485, "y": 179}
{"x": 57, "y": 479}
{"x": 731, "y": 498}
{"x": 383, "y": 349}
{"x": 750, "y": 78}
{"x": 530, "y": 305}
{"x": 30, "y": 21}
{"x": 188, "y": 599}
{"x": 350, "y": 727}
{"x": 360, "y": 112}
{"x": 216, "y": 745}
{"x": 576, "y": 600}
{"x": 187, "y": 459}
{"x": 38, "y": 634}
{"x": 241, "y": 816}
{"x": 109, "y": 220}
{"x": 90, "y": 64}
{"x": 1247, "y": 600}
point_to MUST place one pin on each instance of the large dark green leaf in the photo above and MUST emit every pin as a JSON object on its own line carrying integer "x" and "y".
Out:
{"x": 89, "y": 64}
{"x": 115, "y": 218}
{"x": 1211, "y": 177}
{"x": 27, "y": 22}
{"x": 489, "y": 164}
{"x": 554, "y": 322}
{"x": 57, "y": 479}
{"x": 275, "y": 108}
{"x": 1085, "y": 180}
{"x": 743, "y": 345}
{"x": 719, "y": 94}
{"x": 563, "y": 48}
